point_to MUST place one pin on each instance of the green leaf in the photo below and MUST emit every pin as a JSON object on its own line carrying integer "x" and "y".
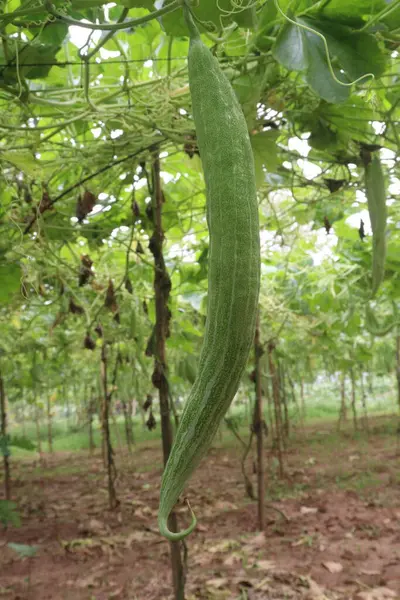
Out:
{"x": 322, "y": 137}
{"x": 265, "y": 153}
{"x": 351, "y": 119}
{"x": 344, "y": 231}
{"x": 138, "y": 4}
{"x": 21, "y": 442}
{"x": 319, "y": 77}
{"x": 8, "y": 513}
{"x": 207, "y": 12}
{"x": 262, "y": 38}
{"x": 23, "y": 160}
{"x": 236, "y": 44}
{"x": 290, "y": 48}
{"x": 4, "y": 445}
{"x": 23, "y": 550}
{"x": 34, "y": 60}
{"x": 352, "y": 12}
{"x": 248, "y": 17}
{"x": 53, "y": 35}
{"x": 10, "y": 278}
{"x": 357, "y": 53}
{"x": 248, "y": 89}
{"x": 219, "y": 13}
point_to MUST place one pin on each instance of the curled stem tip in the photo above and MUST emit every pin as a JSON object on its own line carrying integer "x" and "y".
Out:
{"x": 179, "y": 535}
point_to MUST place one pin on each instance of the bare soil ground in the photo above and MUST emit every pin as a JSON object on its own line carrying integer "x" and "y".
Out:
{"x": 337, "y": 535}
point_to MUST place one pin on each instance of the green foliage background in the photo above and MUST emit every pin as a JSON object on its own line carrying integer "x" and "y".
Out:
{"x": 79, "y": 127}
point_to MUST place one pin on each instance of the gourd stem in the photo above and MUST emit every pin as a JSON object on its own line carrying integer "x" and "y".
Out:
{"x": 191, "y": 25}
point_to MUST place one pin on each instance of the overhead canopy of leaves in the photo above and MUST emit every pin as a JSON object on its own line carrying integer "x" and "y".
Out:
{"x": 84, "y": 112}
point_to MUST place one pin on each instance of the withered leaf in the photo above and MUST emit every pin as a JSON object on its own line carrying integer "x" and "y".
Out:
{"x": 135, "y": 209}
{"x": 85, "y": 205}
{"x": 149, "y": 211}
{"x": 99, "y": 330}
{"x": 334, "y": 185}
{"x": 148, "y": 402}
{"x": 150, "y": 347}
{"x": 128, "y": 285}
{"x": 190, "y": 146}
{"x": 327, "y": 225}
{"x": 45, "y": 202}
{"x": 88, "y": 343}
{"x": 151, "y": 422}
{"x": 110, "y": 300}
{"x": 361, "y": 230}
{"x": 75, "y": 308}
{"x": 85, "y": 270}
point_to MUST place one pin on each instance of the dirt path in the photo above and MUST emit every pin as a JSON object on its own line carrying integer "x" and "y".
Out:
{"x": 341, "y": 538}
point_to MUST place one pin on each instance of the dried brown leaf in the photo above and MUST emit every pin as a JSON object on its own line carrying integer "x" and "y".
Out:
{"x": 258, "y": 541}
{"x": 315, "y": 592}
{"x": 370, "y": 572}
{"x": 85, "y": 205}
{"x": 233, "y": 559}
{"x": 308, "y": 510}
{"x": 265, "y": 565}
{"x": 217, "y": 582}
{"x": 379, "y": 593}
{"x": 224, "y": 546}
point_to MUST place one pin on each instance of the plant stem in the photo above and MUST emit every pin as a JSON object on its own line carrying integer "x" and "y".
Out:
{"x": 112, "y": 26}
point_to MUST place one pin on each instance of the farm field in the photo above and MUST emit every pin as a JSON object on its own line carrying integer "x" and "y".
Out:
{"x": 199, "y": 299}
{"x": 332, "y": 528}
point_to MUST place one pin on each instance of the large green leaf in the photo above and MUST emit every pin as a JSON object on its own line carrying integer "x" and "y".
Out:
{"x": 352, "y": 12}
{"x": 54, "y": 33}
{"x": 262, "y": 36}
{"x": 356, "y": 54}
{"x": 300, "y": 50}
{"x": 319, "y": 76}
{"x": 291, "y": 48}
{"x": 23, "y": 160}
{"x": 34, "y": 60}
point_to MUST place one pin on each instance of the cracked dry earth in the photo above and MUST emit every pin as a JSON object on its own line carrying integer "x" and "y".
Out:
{"x": 336, "y": 535}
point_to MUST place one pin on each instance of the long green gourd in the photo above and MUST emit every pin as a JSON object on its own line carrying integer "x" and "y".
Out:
{"x": 376, "y": 196}
{"x": 234, "y": 269}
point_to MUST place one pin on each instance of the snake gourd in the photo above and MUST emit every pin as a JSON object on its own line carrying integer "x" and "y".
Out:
{"x": 233, "y": 272}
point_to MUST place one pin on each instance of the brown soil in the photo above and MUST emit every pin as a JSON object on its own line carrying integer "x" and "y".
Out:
{"x": 338, "y": 536}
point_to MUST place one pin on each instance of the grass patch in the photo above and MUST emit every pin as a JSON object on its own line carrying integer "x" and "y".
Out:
{"x": 279, "y": 490}
{"x": 61, "y": 470}
{"x": 358, "y": 482}
{"x": 322, "y": 408}
{"x": 74, "y": 439}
